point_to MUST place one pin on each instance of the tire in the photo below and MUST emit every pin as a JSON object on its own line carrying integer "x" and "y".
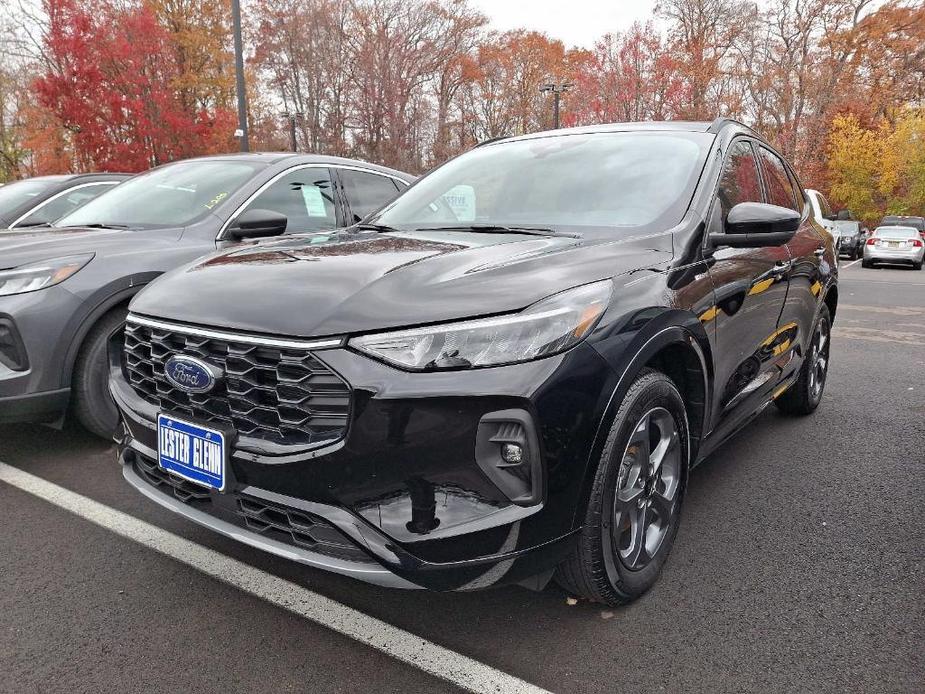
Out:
{"x": 917, "y": 266}
{"x": 804, "y": 396}
{"x": 866, "y": 263}
{"x": 601, "y": 569}
{"x": 92, "y": 404}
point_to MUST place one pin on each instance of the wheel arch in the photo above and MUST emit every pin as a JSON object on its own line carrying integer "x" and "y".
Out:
{"x": 103, "y": 301}
{"x": 676, "y": 344}
{"x": 831, "y": 300}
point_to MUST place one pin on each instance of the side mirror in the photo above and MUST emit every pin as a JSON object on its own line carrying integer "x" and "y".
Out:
{"x": 756, "y": 225}
{"x": 258, "y": 224}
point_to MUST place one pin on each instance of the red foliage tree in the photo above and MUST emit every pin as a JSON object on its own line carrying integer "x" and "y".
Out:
{"x": 110, "y": 85}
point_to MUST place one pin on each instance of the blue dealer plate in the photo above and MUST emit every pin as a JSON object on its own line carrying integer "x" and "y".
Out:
{"x": 191, "y": 451}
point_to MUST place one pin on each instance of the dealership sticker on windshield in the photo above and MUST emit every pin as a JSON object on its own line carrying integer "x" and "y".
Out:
{"x": 192, "y": 452}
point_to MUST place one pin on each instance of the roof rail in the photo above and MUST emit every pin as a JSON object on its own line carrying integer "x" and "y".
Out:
{"x": 720, "y": 123}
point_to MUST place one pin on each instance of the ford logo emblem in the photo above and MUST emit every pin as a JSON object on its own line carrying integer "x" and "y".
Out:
{"x": 191, "y": 374}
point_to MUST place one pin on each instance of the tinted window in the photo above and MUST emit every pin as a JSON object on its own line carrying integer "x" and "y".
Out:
{"x": 64, "y": 204}
{"x": 305, "y": 196}
{"x": 739, "y": 181}
{"x": 366, "y": 192}
{"x": 173, "y": 195}
{"x": 914, "y": 222}
{"x": 586, "y": 183}
{"x": 897, "y": 232}
{"x": 12, "y": 195}
{"x": 780, "y": 192}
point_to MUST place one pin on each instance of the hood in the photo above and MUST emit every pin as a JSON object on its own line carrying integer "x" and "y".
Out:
{"x": 359, "y": 282}
{"x": 34, "y": 245}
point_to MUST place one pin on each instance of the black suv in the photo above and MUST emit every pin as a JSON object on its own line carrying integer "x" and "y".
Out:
{"x": 65, "y": 288}
{"x": 505, "y": 373}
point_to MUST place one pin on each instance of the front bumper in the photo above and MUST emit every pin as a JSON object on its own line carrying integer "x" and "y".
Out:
{"x": 404, "y": 486}
{"x": 35, "y": 333}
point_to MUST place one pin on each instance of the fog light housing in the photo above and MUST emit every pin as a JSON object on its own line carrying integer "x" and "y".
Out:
{"x": 507, "y": 450}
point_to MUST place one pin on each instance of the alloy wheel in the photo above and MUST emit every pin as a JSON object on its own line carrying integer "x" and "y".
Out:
{"x": 819, "y": 359}
{"x": 646, "y": 498}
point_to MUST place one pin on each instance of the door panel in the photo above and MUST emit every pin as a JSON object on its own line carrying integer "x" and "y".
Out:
{"x": 750, "y": 287}
{"x": 810, "y": 266}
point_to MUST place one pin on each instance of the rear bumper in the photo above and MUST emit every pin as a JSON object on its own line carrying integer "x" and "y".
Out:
{"x": 911, "y": 255}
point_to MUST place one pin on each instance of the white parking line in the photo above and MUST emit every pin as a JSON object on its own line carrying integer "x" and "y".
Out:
{"x": 402, "y": 645}
{"x": 853, "y": 262}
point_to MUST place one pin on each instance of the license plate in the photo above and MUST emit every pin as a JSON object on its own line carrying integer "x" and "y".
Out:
{"x": 894, "y": 244}
{"x": 192, "y": 452}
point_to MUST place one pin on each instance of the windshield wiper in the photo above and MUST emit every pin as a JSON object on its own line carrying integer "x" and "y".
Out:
{"x": 502, "y": 229}
{"x": 33, "y": 225}
{"x": 374, "y": 227}
{"x": 99, "y": 225}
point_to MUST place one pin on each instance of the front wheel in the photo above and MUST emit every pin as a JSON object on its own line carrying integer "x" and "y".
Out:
{"x": 635, "y": 503}
{"x": 93, "y": 404}
{"x": 805, "y": 394}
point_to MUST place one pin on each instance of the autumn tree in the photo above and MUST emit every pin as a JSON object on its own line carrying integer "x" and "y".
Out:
{"x": 109, "y": 82}
{"x": 630, "y": 76}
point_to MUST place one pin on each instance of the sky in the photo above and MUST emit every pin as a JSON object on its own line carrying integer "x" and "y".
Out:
{"x": 575, "y": 22}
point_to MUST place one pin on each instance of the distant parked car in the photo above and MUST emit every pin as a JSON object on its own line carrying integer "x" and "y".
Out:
{"x": 851, "y": 236}
{"x": 44, "y": 199}
{"x": 917, "y": 223}
{"x": 894, "y": 244}
{"x": 65, "y": 289}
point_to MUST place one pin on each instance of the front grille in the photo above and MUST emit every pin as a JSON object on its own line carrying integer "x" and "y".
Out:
{"x": 288, "y": 525}
{"x": 281, "y": 395}
{"x": 296, "y": 527}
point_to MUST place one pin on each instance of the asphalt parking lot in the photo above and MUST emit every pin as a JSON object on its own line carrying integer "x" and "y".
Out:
{"x": 799, "y": 567}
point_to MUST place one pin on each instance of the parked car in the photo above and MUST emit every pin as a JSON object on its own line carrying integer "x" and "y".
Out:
{"x": 830, "y": 221}
{"x": 894, "y": 244}
{"x": 851, "y": 236}
{"x": 63, "y": 290}
{"x": 37, "y": 201}
{"x": 506, "y": 372}
{"x": 917, "y": 223}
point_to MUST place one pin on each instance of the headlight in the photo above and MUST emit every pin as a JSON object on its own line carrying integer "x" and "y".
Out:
{"x": 547, "y": 327}
{"x": 35, "y": 276}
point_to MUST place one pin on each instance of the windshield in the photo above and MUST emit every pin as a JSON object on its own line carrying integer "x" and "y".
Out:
{"x": 15, "y": 194}
{"x": 170, "y": 196}
{"x": 897, "y": 232}
{"x": 626, "y": 182}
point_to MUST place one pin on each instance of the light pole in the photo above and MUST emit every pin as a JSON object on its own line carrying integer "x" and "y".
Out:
{"x": 241, "y": 132}
{"x": 556, "y": 90}
{"x": 292, "y": 117}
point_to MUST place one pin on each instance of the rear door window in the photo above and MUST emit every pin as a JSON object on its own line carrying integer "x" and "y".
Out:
{"x": 305, "y": 196}
{"x": 780, "y": 190}
{"x": 367, "y": 192}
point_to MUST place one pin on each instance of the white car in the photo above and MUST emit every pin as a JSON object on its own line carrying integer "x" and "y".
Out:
{"x": 894, "y": 245}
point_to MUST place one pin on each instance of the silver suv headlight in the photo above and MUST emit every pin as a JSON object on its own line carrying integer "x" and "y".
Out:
{"x": 547, "y": 327}
{"x": 35, "y": 276}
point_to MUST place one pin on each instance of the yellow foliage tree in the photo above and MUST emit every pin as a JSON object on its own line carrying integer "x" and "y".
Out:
{"x": 879, "y": 170}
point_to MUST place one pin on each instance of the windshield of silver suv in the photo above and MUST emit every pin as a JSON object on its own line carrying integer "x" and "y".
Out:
{"x": 170, "y": 196}
{"x": 589, "y": 182}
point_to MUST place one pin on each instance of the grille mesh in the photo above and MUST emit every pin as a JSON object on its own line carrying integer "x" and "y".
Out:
{"x": 283, "y": 396}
